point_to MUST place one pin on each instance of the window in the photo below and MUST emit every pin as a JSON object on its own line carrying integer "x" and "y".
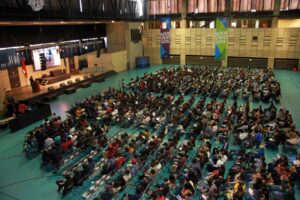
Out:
{"x": 251, "y": 23}
{"x": 252, "y": 5}
{"x": 206, "y": 6}
{"x": 175, "y": 24}
{"x": 233, "y": 24}
{"x": 257, "y": 23}
{"x": 200, "y": 24}
{"x": 244, "y": 24}
{"x": 212, "y": 24}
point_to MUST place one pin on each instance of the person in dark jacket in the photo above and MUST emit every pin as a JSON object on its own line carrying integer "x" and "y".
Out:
{"x": 65, "y": 185}
{"x": 77, "y": 178}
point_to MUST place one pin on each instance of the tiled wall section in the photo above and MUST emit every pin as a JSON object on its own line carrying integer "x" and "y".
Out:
{"x": 266, "y": 43}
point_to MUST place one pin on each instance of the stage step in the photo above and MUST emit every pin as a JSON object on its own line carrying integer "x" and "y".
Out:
{"x": 70, "y": 90}
{"x": 85, "y": 85}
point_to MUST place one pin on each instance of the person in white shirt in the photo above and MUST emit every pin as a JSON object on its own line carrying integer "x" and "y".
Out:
{"x": 127, "y": 176}
{"x": 48, "y": 143}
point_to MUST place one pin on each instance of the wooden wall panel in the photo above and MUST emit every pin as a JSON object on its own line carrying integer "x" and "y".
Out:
{"x": 247, "y": 62}
{"x": 267, "y": 43}
{"x": 202, "y": 60}
{"x": 288, "y": 64}
{"x": 173, "y": 59}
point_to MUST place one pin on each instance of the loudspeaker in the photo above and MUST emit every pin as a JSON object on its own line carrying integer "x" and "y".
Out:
{"x": 43, "y": 61}
{"x": 98, "y": 51}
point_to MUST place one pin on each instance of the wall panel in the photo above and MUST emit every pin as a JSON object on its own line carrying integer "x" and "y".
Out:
{"x": 202, "y": 60}
{"x": 288, "y": 64}
{"x": 247, "y": 62}
{"x": 250, "y": 43}
{"x": 173, "y": 59}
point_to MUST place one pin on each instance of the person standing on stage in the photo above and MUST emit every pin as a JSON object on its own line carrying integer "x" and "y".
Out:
{"x": 31, "y": 80}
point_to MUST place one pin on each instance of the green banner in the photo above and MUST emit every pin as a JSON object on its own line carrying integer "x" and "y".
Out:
{"x": 221, "y": 39}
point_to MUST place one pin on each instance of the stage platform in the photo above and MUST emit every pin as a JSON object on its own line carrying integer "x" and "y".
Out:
{"x": 25, "y": 93}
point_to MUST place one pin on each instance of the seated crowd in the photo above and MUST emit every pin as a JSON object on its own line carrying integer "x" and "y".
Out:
{"x": 181, "y": 149}
{"x": 215, "y": 82}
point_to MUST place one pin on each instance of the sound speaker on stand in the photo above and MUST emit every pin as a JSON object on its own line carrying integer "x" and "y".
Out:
{"x": 98, "y": 51}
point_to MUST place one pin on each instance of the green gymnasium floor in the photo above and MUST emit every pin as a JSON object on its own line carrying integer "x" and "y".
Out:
{"x": 23, "y": 179}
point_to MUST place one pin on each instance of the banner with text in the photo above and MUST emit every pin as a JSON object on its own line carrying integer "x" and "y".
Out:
{"x": 165, "y": 26}
{"x": 221, "y": 39}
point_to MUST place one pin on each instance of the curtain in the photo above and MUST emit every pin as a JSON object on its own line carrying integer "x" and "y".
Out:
{"x": 157, "y": 7}
{"x": 191, "y": 6}
{"x": 294, "y": 4}
{"x": 268, "y": 5}
{"x": 206, "y": 6}
{"x": 9, "y": 58}
{"x": 248, "y": 5}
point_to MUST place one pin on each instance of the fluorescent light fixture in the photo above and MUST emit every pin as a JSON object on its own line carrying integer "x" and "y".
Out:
{"x": 80, "y": 5}
{"x": 253, "y": 10}
{"x": 89, "y": 39}
{"x": 15, "y": 47}
{"x": 36, "y": 45}
{"x": 105, "y": 41}
{"x": 69, "y": 41}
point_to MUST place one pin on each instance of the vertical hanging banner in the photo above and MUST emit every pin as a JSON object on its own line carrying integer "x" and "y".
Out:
{"x": 221, "y": 39}
{"x": 165, "y": 26}
{"x": 24, "y": 70}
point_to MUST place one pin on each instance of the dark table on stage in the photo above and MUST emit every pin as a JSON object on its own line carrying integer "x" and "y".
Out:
{"x": 40, "y": 112}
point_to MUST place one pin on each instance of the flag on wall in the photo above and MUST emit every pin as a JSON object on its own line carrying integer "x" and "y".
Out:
{"x": 24, "y": 70}
{"x": 221, "y": 39}
{"x": 165, "y": 26}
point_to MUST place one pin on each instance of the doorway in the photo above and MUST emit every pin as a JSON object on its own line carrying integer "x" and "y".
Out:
{"x": 14, "y": 78}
